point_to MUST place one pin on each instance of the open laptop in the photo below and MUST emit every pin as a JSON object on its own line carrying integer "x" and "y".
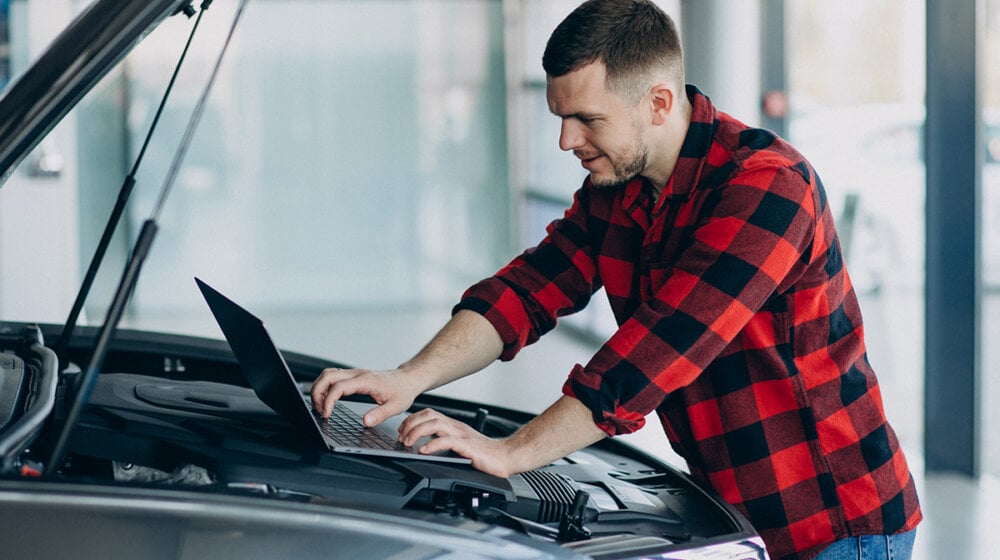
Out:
{"x": 267, "y": 372}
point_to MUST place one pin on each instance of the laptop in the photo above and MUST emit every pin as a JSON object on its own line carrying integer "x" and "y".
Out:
{"x": 267, "y": 373}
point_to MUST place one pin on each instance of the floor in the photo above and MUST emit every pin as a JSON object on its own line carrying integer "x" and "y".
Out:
{"x": 961, "y": 521}
{"x": 961, "y": 518}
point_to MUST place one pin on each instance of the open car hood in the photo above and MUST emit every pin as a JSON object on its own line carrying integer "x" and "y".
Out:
{"x": 172, "y": 456}
{"x": 78, "y": 58}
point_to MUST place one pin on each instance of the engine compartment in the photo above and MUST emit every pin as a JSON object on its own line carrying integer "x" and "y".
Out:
{"x": 201, "y": 433}
{"x": 175, "y": 416}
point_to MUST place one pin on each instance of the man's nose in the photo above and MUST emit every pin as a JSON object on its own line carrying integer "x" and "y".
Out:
{"x": 570, "y": 137}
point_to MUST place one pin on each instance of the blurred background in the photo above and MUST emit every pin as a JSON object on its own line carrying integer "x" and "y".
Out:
{"x": 361, "y": 162}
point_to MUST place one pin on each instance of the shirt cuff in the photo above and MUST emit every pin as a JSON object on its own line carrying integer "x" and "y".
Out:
{"x": 608, "y": 414}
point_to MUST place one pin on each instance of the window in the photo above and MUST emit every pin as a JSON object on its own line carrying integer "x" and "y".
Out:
{"x": 340, "y": 175}
{"x": 856, "y": 88}
{"x": 990, "y": 231}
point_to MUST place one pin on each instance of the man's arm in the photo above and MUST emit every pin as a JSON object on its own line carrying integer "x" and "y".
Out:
{"x": 563, "y": 428}
{"x": 466, "y": 344}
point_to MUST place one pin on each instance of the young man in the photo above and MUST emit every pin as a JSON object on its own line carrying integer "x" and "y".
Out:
{"x": 737, "y": 321}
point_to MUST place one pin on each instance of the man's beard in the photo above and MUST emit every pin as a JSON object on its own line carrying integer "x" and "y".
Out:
{"x": 638, "y": 157}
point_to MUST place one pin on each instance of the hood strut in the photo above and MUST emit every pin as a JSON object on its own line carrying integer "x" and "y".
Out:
{"x": 85, "y": 384}
{"x": 124, "y": 194}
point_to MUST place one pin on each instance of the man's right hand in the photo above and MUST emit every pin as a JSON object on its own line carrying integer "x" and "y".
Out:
{"x": 393, "y": 390}
{"x": 467, "y": 343}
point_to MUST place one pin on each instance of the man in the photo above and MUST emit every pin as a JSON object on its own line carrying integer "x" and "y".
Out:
{"x": 737, "y": 321}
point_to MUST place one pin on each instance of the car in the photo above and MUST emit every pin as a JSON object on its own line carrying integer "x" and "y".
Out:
{"x": 124, "y": 443}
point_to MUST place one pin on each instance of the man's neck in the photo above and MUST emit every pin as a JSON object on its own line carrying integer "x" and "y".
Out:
{"x": 669, "y": 145}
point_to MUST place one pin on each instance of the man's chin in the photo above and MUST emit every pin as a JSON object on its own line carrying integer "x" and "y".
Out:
{"x": 605, "y": 182}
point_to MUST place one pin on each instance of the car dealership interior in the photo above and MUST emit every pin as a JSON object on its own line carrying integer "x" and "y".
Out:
{"x": 361, "y": 162}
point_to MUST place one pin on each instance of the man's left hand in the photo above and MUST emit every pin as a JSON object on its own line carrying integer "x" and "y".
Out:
{"x": 563, "y": 428}
{"x": 488, "y": 455}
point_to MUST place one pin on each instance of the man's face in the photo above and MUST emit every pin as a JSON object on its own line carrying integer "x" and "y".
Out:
{"x": 598, "y": 126}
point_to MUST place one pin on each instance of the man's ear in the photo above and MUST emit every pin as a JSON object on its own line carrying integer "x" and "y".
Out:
{"x": 661, "y": 99}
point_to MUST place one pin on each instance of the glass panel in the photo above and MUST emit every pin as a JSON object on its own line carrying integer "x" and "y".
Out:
{"x": 345, "y": 160}
{"x": 990, "y": 336}
{"x": 4, "y": 44}
{"x": 856, "y": 74}
{"x": 549, "y": 170}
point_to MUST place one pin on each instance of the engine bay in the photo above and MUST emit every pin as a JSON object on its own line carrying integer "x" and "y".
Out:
{"x": 141, "y": 429}
{"x": 176, "y": 417}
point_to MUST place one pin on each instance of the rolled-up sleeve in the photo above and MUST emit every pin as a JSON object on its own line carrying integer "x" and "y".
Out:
{"x": 524, "y": 299}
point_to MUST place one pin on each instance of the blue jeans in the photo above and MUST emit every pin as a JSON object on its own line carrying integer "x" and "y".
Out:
{"x": 871, "y": 547}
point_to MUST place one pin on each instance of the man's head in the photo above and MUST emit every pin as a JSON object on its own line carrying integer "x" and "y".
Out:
{"x": 615, "y": 77}
{"x": 637, "y": 43}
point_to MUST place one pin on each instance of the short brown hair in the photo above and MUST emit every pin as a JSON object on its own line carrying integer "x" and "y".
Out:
{"x": 637, "y": 42}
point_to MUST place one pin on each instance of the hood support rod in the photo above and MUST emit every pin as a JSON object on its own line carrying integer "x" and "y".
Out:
{"x": 62, "y": 345}
{"x": 88, "y": 378}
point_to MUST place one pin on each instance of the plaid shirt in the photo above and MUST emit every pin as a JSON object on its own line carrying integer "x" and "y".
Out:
{"x": 738, "y": 325}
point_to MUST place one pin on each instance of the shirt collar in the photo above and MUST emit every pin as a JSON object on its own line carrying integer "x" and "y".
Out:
{"x": 694, "y": 150}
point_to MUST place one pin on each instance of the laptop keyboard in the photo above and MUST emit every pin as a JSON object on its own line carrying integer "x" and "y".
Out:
{"x": 346, "y": 428}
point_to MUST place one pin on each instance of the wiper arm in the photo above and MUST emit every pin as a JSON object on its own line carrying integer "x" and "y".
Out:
{"x": 62, "y": 345}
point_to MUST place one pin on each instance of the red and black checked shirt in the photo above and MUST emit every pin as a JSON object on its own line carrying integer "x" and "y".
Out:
{"x": 738, "y": 325}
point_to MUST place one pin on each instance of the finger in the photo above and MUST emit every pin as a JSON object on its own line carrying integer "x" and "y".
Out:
{"x": 382, "y": 412}
{"x": 340, "y": 386}
{"x": 436, "y": 426}
{"x": 318, "y": 390}
{"x": 471, "y": 448}
{"x": 323, "y": 381}
{"x": 441, "y": 444}
{"x": 340, "y": 389}
{"x": 484, "y": 452}
{"x": 321, "y": 386}
{"x": 418, "y": 418}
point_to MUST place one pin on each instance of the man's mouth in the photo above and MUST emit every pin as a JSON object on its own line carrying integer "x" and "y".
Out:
{"x": 586, "y": 161}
